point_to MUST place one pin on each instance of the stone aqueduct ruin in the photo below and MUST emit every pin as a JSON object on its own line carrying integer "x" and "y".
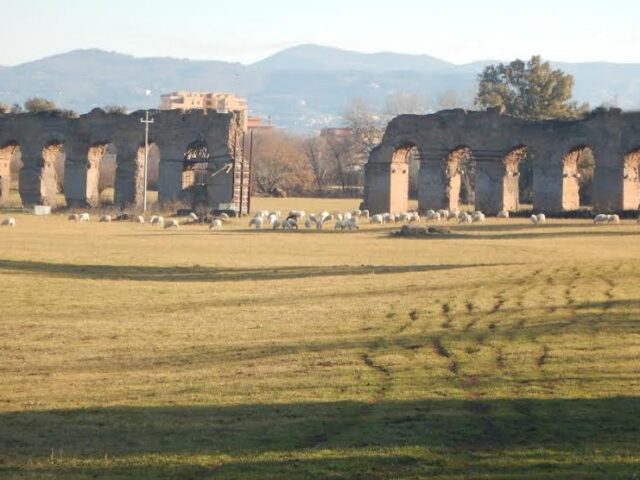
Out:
{"x": 191, "y": 146}
{"x": 498, "y": 143}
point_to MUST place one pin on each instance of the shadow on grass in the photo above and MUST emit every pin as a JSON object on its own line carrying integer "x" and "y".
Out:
{"x": 440, "y": 437}
{"x": 212, "y": 274}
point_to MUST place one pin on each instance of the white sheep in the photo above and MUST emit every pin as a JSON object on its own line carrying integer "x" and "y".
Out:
{"x": 84, "y": 217}
{"x": 157, "y": 220}
{"x": 216, "y": 224}
{"x": 432, "y": 216}
{"x": 171, "y": 224}
{"x": 140, "y": 219}
{"x": 502, "y": 214}
{"x": 308, "y": 223}
{"x": 602, "y": 218}
{"x": 105, "y": 219}
{"x": 444, "y": 213}
{"x": 74, "y": 217}
{"x": 387, "y": 218}
{"x": 365, "y": 214}
{"x": 257, "y": 222}
{"x": 615, "y": 219}
{"x": 376, "y": 219}
{"x": 465, "y": 218}
{"x": 8, "y": 222}
{"x": 356, "y": 213}
{"x": 414, "y": 217}
{"x": 478, "y": 217}
{"x": 534, "y": 219}
{"x": 276, "y": 224}
{"x": 453, "y": 215}
{"x": 542, "y": 218}
{"x": 192, "y": 216}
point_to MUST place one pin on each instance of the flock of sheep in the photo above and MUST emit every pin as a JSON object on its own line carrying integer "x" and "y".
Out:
{"x": 296, "y": 219}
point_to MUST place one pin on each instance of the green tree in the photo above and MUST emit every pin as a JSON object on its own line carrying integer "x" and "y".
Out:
{"x": 39, "y": 104}
{"x": 531, "y": 90}
{"x": 118, "y": 109}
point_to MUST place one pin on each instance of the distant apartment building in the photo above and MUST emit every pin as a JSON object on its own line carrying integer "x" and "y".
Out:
{"x": 343, "y": 132}
{"x": 220, "y": 102}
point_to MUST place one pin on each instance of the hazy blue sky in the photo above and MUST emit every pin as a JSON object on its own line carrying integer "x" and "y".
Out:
{"x": 248, "y": 30}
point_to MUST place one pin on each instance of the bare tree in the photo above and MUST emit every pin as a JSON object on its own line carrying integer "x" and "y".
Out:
{"x": 341, "y": 151}
{"x": 280, "y": 164}
{"x": 315, "y": 149}
{"x": 401, "y": 103}
{"x": 367, "y": 126}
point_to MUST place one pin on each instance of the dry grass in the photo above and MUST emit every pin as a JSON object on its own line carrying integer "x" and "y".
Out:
{"x": 132, "y": 352}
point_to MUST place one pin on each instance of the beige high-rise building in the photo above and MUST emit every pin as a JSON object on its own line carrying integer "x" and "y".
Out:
{"x": 220, "y": 102}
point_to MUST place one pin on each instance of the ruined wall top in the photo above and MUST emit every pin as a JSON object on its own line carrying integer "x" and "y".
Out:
{"x": 604, "y": 130}
{"x": 172, "y": 131}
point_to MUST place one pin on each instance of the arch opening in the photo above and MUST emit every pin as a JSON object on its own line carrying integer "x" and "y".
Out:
{"x": 578, "y": 168}
{"x": 631, "y": 181}
{"x": 10, "y": 166}
{"x": 399, "y": 177}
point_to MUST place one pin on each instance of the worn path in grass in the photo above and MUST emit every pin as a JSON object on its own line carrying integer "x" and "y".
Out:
{"x": 129, "y": 352}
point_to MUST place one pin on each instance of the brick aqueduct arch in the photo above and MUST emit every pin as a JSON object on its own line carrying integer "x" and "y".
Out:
{"x": 41, "y": 138}
{"x": 498, "y": 143}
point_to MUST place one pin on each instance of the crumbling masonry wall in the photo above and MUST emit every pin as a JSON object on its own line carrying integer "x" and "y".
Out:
{"x": 498, "y": 143}
{"x": 83, "y": 141}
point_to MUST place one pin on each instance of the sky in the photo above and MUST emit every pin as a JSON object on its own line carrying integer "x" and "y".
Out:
{"x": 246, "y": 31}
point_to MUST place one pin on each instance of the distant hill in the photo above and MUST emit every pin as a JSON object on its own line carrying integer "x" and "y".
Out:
{"x": 302, "y": 87}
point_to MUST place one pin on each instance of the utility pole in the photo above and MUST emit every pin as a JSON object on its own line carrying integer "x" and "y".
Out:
{"x": 146, "y": 122}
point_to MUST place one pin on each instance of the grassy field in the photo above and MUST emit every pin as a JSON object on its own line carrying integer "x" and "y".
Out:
{"x": 129, "y": 352}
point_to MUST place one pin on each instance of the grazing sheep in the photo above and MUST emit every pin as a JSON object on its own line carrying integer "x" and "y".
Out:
{"x": 356, "y": 213}
{"x": 432, "y": 216}
{"x": 74, "y": 217}
{"x": 171, "y": 224}
{"x": 257, "y": 222}
{"x": 291, "y": 224}
{"x": 223, "y": 216}
{"x": 105, "y": 219}
{"x": 376, "y": 219}
{"x": 502, "y": 214}
{"x": 276, "y": 224}
{"x": 216, "y": 224}
{"x": 84, "y": 217}
{"x": 139, "y": 219}
{"x": 534, "y": 219}
{"x": 262, "y": 214}
{"x": 478, "y": 217}
{"x": 365, "y": 214}
{"x": 387, "y": 218}
{"x": 308, "y": 223}
{"x": 602, "y": 218}
{"x": 615, "y": 219}
{"x": 542, "y": 218}
{"x": 453, "y": 215}
{"x": 8, "y": 222}
{"x": 414, "y": 217}
{"x": 444, "y": 213}
{"x": 157, "y": 220}
{"x": 465, "y": 218}
{"x": 193, "y": 217}
{"x": 339, "y": 217}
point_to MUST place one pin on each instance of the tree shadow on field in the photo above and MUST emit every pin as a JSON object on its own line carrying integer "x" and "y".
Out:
{"x": 213, "y": 274}
{"x": 510, "y": 438}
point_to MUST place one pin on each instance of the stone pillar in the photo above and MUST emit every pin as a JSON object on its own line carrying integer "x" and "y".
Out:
{"x": 609, "y": 188}
{"x": 81, "y": 176}
{"x": 631, "y": 182}
{"x": 383, "y": 188}
{"x": 38, "y": 177}
{"x": 129, "y": 187}
{"x": 221, "y": 191}
{"x": 497, "y": 182}
{"x": 170, "y": 181}
{"x": 548, "y": 182}
{"x": 440, "y": 181}
{"x": 6, "y": 154}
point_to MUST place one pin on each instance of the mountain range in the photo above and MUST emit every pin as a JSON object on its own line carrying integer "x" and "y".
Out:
{"x": 301, "y": 88}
